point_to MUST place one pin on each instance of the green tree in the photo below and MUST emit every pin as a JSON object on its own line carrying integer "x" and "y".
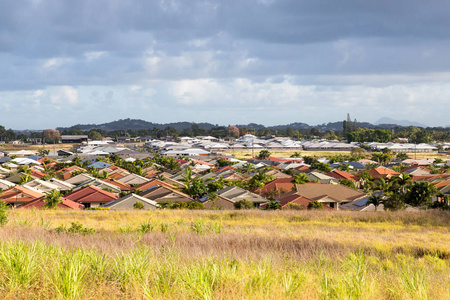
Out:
{"x": 348, "y": 183}
{"x": 420, "y": 194}
{"x": 300, "y": 178}
{"x": 264, "y": 154}
{"x": 52, "y": 199}
{"x": 375, "y": 200}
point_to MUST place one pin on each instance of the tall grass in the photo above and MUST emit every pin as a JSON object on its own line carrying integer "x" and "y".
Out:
{"x": 227, "y": 256}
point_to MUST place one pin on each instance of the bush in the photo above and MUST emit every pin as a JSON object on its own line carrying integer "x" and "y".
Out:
{"x": 244, "y": 204}
{"x": 315, "y": 205}
{"x": 97, "y": 208}
{"x": 75, "y": 228}
{"x": 294, "y": 206}
{"x": 182, "y": 205}
{"x": 138, "y": 205}
{"x": 274, "y": 205}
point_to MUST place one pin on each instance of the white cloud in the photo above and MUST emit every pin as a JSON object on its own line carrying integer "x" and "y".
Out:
{"x": 56, "y": 62}
{"x": 60, "y": 96}
{"x": 90, "y": 56}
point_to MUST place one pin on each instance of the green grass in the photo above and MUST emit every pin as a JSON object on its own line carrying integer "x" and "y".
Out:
{"x": 226, "y": 255}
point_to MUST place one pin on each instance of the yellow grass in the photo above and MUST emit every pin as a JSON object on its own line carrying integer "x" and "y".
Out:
{"x": 226, "y": 255}
{"x": 246, "y": 154}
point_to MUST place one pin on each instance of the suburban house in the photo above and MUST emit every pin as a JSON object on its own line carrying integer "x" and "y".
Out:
{"x": 74, "y": 138}
{"x": 80, "y": 178}
{"x": 91, "y": 196}
{"x": 221, "y": 203}
{"x": 341, "y": 175}
{"x": 279, "y": 185}
{"x": 5, "y": 185}
{"x": 122, "y": 186}
{"x": 329, "y": 194}
{"x": 100, "y": 184}
{"x": 165, "y": 194}
{"x": 128, "y": 202}
{"x": 133, "y": 179}
{"x": 18, "y": 195}
{"x": 381, "y": 172}
{"x": 235, "y": 194}
{"x": 321, "y": 178}
{"x": 64, "y": 204}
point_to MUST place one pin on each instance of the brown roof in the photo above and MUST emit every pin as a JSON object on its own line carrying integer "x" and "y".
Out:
{"x": 302, "y": 169}
{"x": 91, "y": 194}
{"x": 65, "y": 204}
{"x": 336, "y": 191}
{"x": 115, "y": 175}
{"x": 153, "y": 182}
{"x": 296, "y": 198}
{"x": 165, "y": 194}
{"x": 121, "y": 185}
{"x": 381, "y": 172}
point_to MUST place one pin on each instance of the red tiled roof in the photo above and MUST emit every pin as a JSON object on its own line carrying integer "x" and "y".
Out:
{"x": 224, "y": 169}
{"x": 65, "y": 204}
{"x": 116, "y": 176}
{"x": 302, "y": 169}
{"x": 295, "y": 198}
{"x": 71, "y": 169}
{"x": 91, "y": 194}
{"x": 44, "y": 159}
{"x": 37, "y": 174}
{"x": 381, "y": 172}
{"x": 341, "y": 175}
{"x": 279, "y": 184}
{"x": 154, "y": 182}
{"x": 123, "y": 186}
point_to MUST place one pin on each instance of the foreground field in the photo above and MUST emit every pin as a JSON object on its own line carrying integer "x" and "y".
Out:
{"x": 225, "y": 255}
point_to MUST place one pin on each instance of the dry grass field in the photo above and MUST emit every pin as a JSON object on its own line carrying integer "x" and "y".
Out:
{"x": 246, "y": 154}
{"x": 51, "y": 147}
{"x": 225, "y": 255}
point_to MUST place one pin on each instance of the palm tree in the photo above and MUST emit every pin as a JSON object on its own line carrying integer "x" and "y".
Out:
{"x": 76, "y": 161}
{"x": 52, "y": 199}
{"x": 187, "y": 177}
{"x": 375, "y": 200}
{"x": 248, "y": 168}
{"x": 300, "y": 179}
{"x": 25, "y": 178}
{"x": 25, "y": 169}
{"x": 382, "y": 185}
{"x": 403, "y": 181}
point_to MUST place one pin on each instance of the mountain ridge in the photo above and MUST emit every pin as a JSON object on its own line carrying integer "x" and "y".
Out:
{"x": 138, "y": 124}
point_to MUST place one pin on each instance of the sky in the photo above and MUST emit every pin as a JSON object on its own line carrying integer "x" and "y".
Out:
{"x": 225, "y": 62}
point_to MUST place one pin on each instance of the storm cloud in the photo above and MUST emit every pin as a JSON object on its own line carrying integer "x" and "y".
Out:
{"x": 225, "y": 62}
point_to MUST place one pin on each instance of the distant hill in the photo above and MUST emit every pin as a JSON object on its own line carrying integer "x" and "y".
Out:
{"x": 389, "y": 121}
{"x": 137, "y": 124}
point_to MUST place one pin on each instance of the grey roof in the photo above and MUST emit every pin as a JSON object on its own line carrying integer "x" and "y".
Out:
{"x": 129, "y": 200}
{"x": 236, "y": 193}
